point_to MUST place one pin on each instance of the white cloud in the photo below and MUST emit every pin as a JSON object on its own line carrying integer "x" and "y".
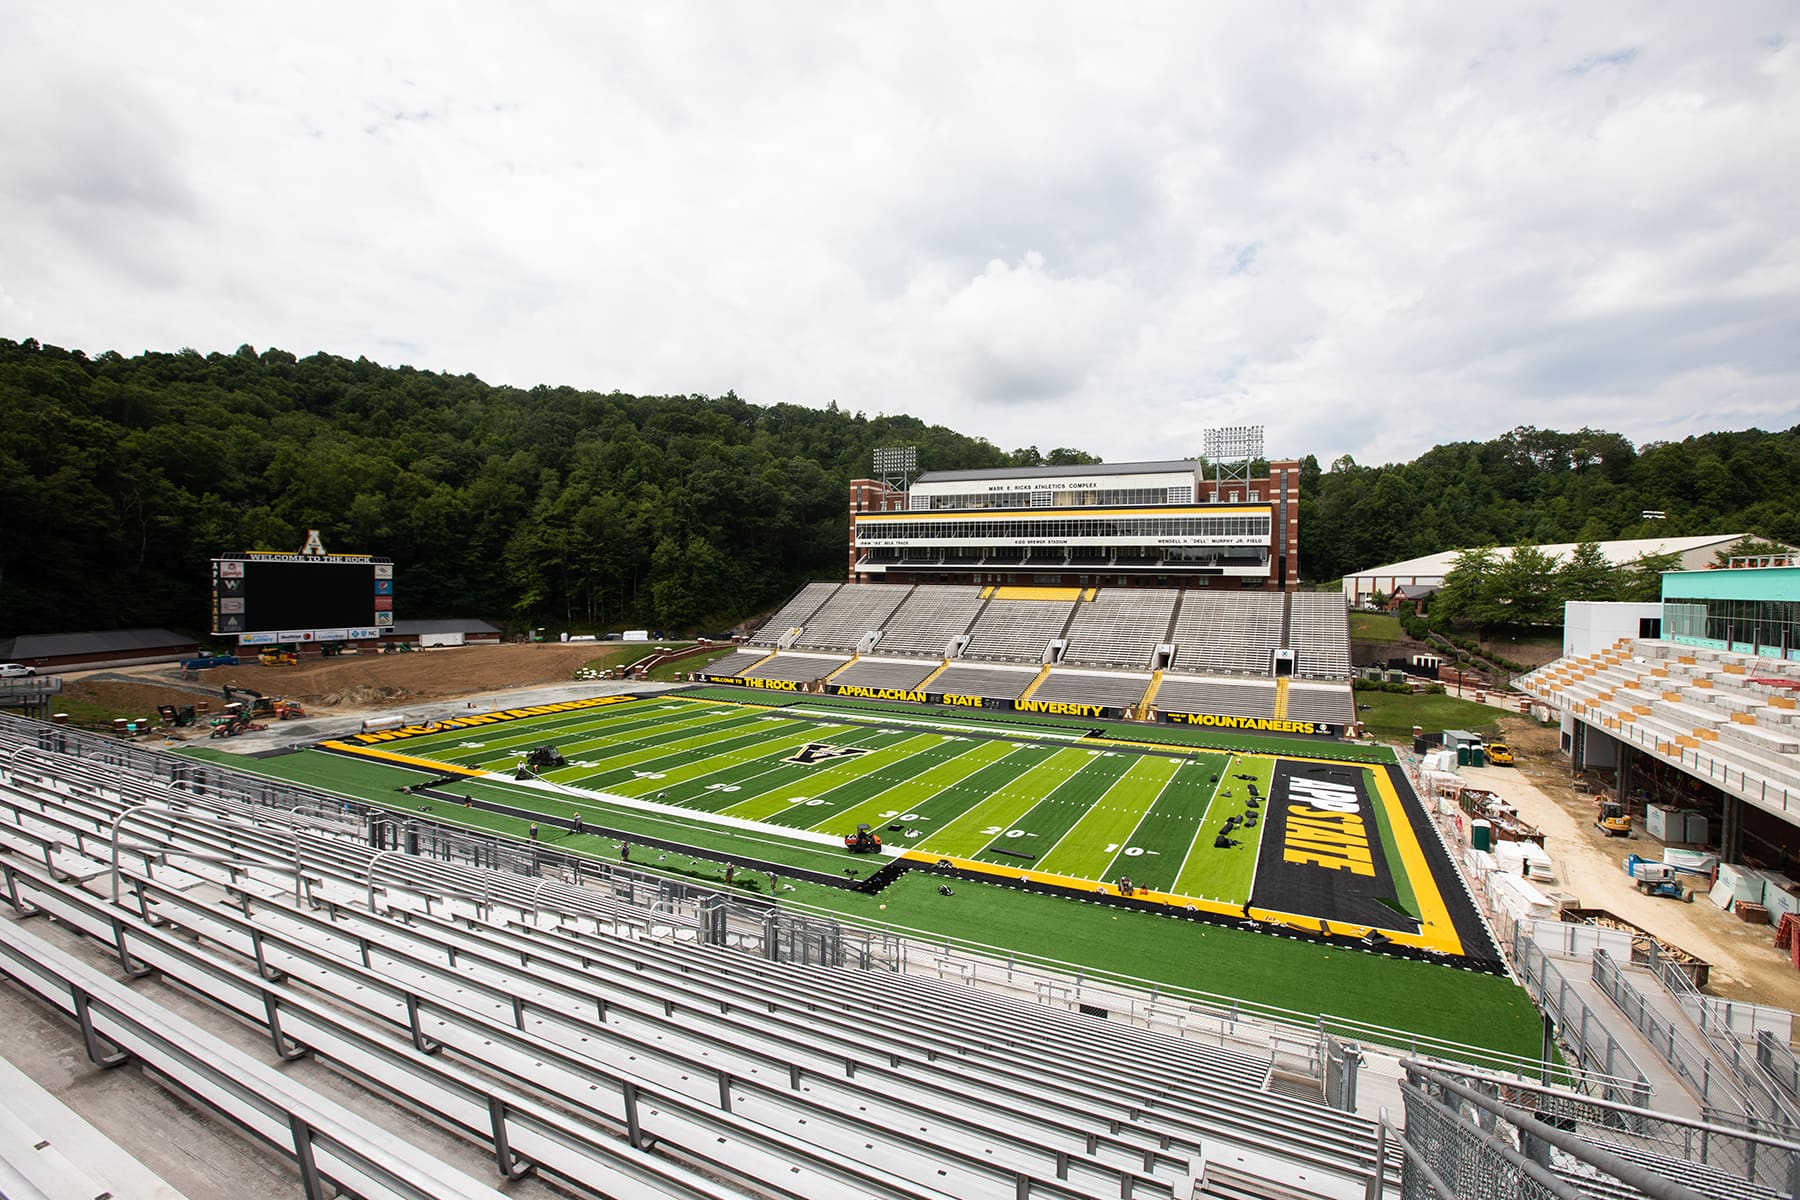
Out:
{"x": 1369, "y": 227}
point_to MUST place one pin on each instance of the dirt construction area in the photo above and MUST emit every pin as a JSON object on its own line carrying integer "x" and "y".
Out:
{"x": 354, "y": 685}
{"x": 1745, "y": 964}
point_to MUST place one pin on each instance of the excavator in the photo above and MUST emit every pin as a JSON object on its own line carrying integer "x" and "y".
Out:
{"x": 267, "y": 706}
{"x": 1613, "y": 820}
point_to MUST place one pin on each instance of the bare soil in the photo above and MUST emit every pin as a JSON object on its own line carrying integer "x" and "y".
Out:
{"x": 1590, "y": 865}
{"x": 361, "y": 682}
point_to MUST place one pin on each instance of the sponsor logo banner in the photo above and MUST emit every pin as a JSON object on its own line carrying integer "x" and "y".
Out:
{"x": 487, "y": 718}
{"x": 1253, "y": 724}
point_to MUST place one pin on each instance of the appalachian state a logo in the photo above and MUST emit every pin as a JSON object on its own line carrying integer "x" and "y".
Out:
{"x": 815, "y": 752}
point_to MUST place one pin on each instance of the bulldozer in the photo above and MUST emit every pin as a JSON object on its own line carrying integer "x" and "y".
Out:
{"x": 1613, "y": 820}
{"x": 276, "y": 657}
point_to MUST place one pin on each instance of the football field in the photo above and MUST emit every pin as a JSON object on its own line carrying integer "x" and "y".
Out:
{"x": 1319, "y": 843}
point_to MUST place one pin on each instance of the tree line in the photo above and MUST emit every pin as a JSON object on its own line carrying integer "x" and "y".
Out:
{"x": 121, "y": 477}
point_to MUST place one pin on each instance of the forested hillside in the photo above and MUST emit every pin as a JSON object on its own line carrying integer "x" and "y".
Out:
{"x": 1539, "y": 486}
{"x": 121, "y": 477}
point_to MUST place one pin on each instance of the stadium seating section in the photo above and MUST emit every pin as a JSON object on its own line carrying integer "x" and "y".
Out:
{"x": 1018, "y": 630}
{"x": 1319, "y": 635}
{"x": 1112, "y": 689}
{"x": 746, "y": 1075}
{"x": 979, "y": 679}
{"x": 1225, "y": 645}
{"x": 1122, "y": 627}
{"x": 1218, "y": 633}
{"x": 905, "y": 674}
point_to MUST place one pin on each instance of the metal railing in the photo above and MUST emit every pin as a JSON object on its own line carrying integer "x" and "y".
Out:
{"x": 1580, "y": 1027}
{"x": 1721, "y": 1099}
{"x": 1777, "y": 1060}
{"x": 1735, "y": 1033}
{"x": 1483, "y": 1136}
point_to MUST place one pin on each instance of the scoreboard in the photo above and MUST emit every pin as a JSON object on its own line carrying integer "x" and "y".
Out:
{"x": 264, "y": 599}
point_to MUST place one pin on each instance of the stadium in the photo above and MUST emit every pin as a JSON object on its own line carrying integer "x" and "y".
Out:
{"x": 1040, "y": 856}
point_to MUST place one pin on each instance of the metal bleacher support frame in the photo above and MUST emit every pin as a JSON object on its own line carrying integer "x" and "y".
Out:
{"x": 1458, "y": 1150}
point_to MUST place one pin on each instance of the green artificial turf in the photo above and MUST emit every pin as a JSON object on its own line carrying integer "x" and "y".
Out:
{"x": 1419, "y": 997}
{"x": 1062, "y": 798}
{"x": 1180, "y": 736}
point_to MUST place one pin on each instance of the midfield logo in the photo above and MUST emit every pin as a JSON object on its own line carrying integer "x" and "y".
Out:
{"x": 815, "y": 752}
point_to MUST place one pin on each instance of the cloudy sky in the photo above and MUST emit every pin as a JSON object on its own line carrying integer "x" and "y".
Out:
{"x": 1369, "y": 228}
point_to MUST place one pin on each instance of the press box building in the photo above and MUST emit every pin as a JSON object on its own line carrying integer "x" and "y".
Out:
{"x": 1144, "y": 524}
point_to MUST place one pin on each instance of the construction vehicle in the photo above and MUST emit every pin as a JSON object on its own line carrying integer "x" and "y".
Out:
{"x": 174, "y": 717}
{"x": 1658, "y": 878}
{"x": 545, "y": 758}
{"x": 260, "y": 705}
{"x": 863, "y": 841}
{"x": 235, "y": 720}
{"x": 1499, "y": 754}
{"x": 1613, "y": 820}
{"x": 277, "y": 656}
{"x": 209, "y": 661}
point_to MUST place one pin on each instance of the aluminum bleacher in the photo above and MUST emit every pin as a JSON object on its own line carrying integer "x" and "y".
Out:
{"x": 1231, "y": 697}
{"x": 1120, "y": 627}
{"x": 849, "y": 615}
{"x": 1113, "y": 689}
{"x": 1332, "y": 704}
{"x": 1018, "y": 630}
{"x": 904, "y": 674}
{"x": 930, "y": 620}
{"x": 789, "y": 664}
{"x": 982, "y": 679}
{"x": 794, "y": 613}
{"x": 517, "y": 1017}
{"x": 1225, "y": 633}
{"x": 1319, "y": 635}
{"x": 738, "y": 661}
{"x": 737, "y": 1072}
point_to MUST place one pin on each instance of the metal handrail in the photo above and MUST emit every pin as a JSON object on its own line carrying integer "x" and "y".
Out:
{"x": 1644, "y": 1180}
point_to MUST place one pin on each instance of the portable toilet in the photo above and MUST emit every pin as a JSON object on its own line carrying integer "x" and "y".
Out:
{"x": 1481, "y": 835}
{"x": 1477, "y": 755}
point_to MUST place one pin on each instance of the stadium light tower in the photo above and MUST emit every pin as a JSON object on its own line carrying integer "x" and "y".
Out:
{"x": 1230, "y": 449}
{"x": 896, "y": 465}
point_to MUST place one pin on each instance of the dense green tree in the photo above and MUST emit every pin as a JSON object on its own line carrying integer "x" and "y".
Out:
{"x": 121, "y": 477}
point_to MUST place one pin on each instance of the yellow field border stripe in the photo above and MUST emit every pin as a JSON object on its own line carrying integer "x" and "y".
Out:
{"x": 1437, "y": 931}
{"x": 1168, "y": 899}
{"x": 406, "y": 760}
